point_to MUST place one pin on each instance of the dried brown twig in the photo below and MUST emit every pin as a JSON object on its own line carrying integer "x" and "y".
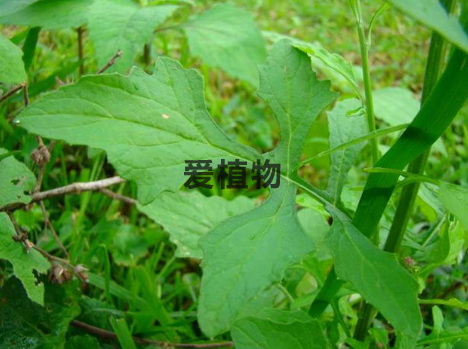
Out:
{"x": 11, "y": 92}
{"x": 110, "y": 63}
{"x": 111, "y": 335}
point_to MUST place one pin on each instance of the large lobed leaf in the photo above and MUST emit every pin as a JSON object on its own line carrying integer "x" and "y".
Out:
{"x": 11, "y": 63}
{"x": 228, "y": 38}
{"x": 148, "y": 124}
{"x": 127, "y": 28}
{"x": 245, "y": 254}
{"x": 24, "y": 263}
{"x": 263, "y": 242}
{"x": 290, "y": 87}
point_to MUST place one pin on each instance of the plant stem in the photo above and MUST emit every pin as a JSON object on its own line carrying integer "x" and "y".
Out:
{"x": 79, "y": 31}
{"x": 409, "y": 193}
{"x": 332, "y": 284}
{"x": 356, "y": 6}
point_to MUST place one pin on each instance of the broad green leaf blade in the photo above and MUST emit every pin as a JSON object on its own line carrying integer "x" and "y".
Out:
{"x": 455, "y": 200}
{"x": 378, "y": 277}
{"x": 148, "y": 124}
{"x": 228, "y": 38}
{"x": 25, "y": 324}
{"x": 395, "y": 105}
{"x": 188, "y": 216}
{"x": 50, "y": 14}
{"x": 127, "y": 28}
{"x": 433, "y": 15}
{"x": 10, "y": 6}
{"x": 278, "y": 329}
{"x": 345, "y": 123}
{"x": 24, "y": 263}
{"x": 246, "y": 254}
{"x": 16, "y": 181}
{"x": 290, "y": 87}
{"x": 11, "y": 63}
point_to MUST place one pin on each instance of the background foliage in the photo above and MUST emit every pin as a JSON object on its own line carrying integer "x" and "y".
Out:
{"x": 140, "y": 261}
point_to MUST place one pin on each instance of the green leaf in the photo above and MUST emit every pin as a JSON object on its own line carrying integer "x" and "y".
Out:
{"x": 378, "y": 277}
{"x": 278, "y": 329}
{"x": 148, "y": 125}
{"x": 395, "y": 105}
{"x": 332, "y": 65}
{"x": 81, "y": 342}
{"x": 188, "y": 216}
{"x": 429, "y": 124}
{"x": 444, "y": 337}
{"x": 11, "y": 63}
{"x": 290, "y": 87}
{"x": 123, "y": 333}
{"x": 455, "y": 200}
{"x": 16, "y": 181}
{"x": 127, "y": 28}
{"x": 345, "y": 123}
{"x": 228, "y": 38}
{"x": 333, "y": 61}
{"x": 10, "y": 6}
{"x": 452, "y": 302}
{"x": 50, "y": 14}
{"x": 24, "y": 263}
{"x": 25, "y": 324}
{"x": 433, "y": 15}
{"x": 245, "y": 254}
{"x": 128, "y": 247}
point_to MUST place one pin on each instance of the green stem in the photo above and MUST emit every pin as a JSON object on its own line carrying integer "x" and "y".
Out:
{"x": 332, "y": 284}
{"x": 356, "y": 6}
{"x": 409, "y": 193}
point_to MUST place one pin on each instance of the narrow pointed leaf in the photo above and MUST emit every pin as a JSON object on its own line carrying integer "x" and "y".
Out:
{"x": 127, "y": 28}
{"x": 228, "y": 38}
{"x": 378, "y": 276}
{"x": 434, "y": 117}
